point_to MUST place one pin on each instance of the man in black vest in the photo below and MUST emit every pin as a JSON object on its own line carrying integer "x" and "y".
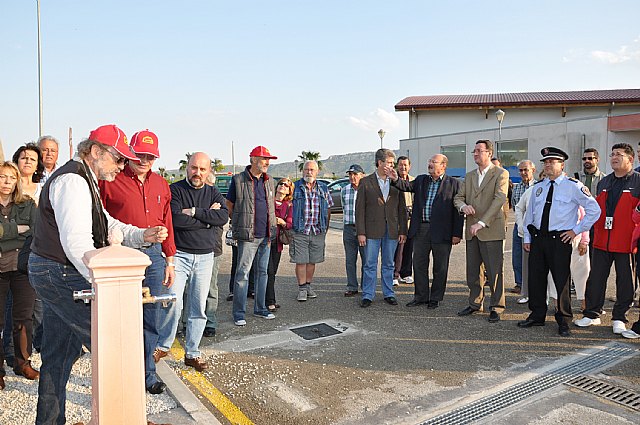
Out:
{"x": 72, "y": 222}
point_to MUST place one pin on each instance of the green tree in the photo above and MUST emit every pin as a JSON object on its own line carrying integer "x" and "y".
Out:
{"x": 183, "y": 162}
{"x": 217, "y": 165}
{"x": 309, "y": 156}
{"x": 162, "y": 171}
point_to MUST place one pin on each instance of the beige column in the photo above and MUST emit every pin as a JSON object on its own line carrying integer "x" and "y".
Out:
{"x": 117, "y": 352}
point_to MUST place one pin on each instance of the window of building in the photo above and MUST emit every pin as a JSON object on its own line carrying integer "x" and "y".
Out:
{"x": 511, "y": 152}
{"x": 456, "y": 154}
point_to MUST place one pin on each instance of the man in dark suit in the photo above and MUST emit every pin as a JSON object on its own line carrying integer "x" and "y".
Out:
{"x": 435, "y": 226}
{"x": 482, "y": 197}
{"x": 381, "y": 224}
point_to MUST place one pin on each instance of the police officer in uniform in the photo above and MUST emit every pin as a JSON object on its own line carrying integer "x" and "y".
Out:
{"x": 550, "y": 224}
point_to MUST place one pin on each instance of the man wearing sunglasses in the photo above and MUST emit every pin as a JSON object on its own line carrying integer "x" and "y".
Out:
{"x": 71, "y": 222}
{"x": 140, "y": 197}
{"x": 590, "y": 175}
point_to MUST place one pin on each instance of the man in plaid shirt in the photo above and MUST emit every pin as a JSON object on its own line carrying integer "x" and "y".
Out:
{"x": 311, "y": 213}
{"x": 348, "y": 195}
{"x": 527, "y": 170}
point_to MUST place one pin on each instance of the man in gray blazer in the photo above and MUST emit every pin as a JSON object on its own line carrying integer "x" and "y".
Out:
{"x": 481, "y": 198}
{"x": 381, "y": 224}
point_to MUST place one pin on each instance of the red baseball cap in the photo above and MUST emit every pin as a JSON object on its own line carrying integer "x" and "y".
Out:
{"x": 263, "y": 152}
{"x": 110, "y": 135}
{"x": 145, "y": 142}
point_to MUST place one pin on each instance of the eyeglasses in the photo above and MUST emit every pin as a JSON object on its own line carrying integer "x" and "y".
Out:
{"x": 145, "y": 157}
{"x": 285, "y": 184}
{"x": 478, "y": 151}
{"x": 117, "y": 158}
{"x": 8, "y": 177}
{"x": 588, "y": 158}
{"x": 523, "y": 170}
{"x": 616, "y": 154}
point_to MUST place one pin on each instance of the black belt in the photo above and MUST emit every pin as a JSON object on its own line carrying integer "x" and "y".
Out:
{"x": 534, "y": 232}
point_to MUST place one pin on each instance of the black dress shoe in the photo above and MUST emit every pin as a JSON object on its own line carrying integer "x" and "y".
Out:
{"x": 414, "y": 303}
{"x": 529, "y": 323}
{"x": 564, "y": 331}
{"x": 229, "y": 297}
{"x": 467, "y": 311}
{"x": 433, "y": 304}
{"x": 209, "y": 332}
{"x": 350, "y": 293}
{"x": 494, "y": 317}
{"x": 157, "y": 388}
{"x": 391, "y": 300}
{"x": 365, "y": 303}
{"x": 251, "y": 295}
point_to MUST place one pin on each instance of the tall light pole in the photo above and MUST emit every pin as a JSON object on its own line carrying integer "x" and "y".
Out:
{"x": 500, "y": 117}
{"x": 381, "y": 133}
{"x": 39, "y": 76}
{"x": 296, "y": 165}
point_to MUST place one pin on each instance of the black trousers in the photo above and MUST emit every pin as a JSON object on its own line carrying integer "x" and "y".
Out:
{"x": 274, "y": 262}
{"x": 423, "y": 248}
{"x": 549, "y": 254}
{"x": 597, "y": 284}
{"x": 403, "y": 259}
{"x": 24, "y": 298}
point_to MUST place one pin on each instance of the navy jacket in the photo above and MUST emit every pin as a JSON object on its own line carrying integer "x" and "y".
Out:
{"x": 446, "y": 221}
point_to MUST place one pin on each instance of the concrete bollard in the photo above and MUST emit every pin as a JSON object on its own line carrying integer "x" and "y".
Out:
{"x": 117, "y": 352}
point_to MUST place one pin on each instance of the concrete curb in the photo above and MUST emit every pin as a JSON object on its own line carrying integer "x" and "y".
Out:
{"x": 184, "y": 396}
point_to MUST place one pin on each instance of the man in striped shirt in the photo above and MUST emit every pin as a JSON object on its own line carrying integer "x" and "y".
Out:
{"x": 348, "y": 195}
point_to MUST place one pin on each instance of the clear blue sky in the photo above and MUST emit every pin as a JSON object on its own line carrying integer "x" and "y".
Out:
{"x": 291, "y": 75}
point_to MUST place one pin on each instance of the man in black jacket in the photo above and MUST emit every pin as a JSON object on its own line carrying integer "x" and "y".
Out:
{"x": 436, "y": 225}
{"x": 199, "y": 212}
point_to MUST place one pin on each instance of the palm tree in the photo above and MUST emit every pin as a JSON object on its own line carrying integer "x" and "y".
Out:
{"x": 162, "y": 171}
{"x": 217, "y": 165}
{"x": 309, "y": 156}
{"x": 183, "y": 162}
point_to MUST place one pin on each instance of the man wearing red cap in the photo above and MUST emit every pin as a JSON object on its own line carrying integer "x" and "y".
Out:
{"x": 72, "y": 221}
{"x": 140, "y": 197}
{"x": 251, "y": 205}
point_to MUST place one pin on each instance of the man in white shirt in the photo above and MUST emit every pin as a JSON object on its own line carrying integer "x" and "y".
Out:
{"x": 49, "y": 150}
{"x": 72, "y": 222}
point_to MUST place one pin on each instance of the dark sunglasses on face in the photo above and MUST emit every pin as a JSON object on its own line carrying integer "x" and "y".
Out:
{"x": 588, "y": 158}
{"x": 285, "y": 184}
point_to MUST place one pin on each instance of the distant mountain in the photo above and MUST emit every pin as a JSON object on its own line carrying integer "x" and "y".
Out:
{"x": 334, "y": 166}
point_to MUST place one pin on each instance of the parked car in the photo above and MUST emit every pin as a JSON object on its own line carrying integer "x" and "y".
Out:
{"x": 222, "y": 183}
{"x": 334, "y": 189}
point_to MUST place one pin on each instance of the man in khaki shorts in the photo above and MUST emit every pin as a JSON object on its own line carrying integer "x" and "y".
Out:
{"x": 311, "y": 213}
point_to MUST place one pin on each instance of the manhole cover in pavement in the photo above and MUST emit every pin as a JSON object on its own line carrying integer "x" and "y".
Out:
{"x": 318, "y": 330}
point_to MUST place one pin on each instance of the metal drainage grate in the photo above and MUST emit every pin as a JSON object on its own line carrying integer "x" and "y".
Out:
{"x": 318, "y": 330}
{"x": 623, "y": 396}
{"x": 610, "y": 354}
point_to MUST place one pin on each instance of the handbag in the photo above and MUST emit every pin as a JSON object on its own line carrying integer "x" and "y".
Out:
{"x": 284, "y": 234}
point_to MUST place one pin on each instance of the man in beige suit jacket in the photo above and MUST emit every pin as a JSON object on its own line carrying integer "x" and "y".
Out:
{"x": 481, "y": 198}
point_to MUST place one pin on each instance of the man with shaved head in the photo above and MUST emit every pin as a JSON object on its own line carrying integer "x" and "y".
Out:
{"x": 199, "y": 212}
{"x": 435, "y": 226}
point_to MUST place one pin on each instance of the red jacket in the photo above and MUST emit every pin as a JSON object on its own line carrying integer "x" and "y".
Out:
{"x": 620, "y": 237}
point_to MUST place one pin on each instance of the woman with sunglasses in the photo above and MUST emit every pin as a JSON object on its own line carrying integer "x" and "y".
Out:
{"x": 18, "y": 214}
{"x": 284, "y": 213}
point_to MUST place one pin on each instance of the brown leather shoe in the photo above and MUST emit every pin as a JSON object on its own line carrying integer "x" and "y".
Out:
{"x": 27, "y": 371}
{"x": 197, "y": 363}
{"x": 1, "y": 382}
{"x": 158, "y": 354}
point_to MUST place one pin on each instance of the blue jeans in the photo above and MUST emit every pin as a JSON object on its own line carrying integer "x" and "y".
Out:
{"x": 153, "y": 277}
{"x": 195, "y": 268}
{"x": 66, "y": 328}
{"x": 246, "y": 253}
{"x": 387, "y": 246}
{"x": 351, "y": 249}
{"x": 212, "y": 298}
{"x": 516, "y": 256}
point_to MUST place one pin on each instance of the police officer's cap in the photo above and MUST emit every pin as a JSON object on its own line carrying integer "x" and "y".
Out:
{"x": 553, "y": 153}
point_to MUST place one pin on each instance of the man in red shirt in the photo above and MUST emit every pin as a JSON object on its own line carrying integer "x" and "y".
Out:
{"x": 141, "y": 197}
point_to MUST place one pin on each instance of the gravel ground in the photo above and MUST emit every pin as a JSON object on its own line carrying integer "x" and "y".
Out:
{"x": 19, "y": 399}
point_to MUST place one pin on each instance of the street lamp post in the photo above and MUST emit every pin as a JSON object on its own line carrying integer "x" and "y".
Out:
{"x": 381, "y": 133}
{"x": 39, "y": 75}
{"x": 500, "y": 117}
{"x": 296, "y": 164}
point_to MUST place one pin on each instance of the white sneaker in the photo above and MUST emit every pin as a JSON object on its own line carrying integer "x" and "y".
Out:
{"x": 523, "y": 300}
{"x": 267, "y": 316}
{"x": 618, "y": 327}
{"x": 395, "y": 282}
{"x": 408, "y": 280}
{"x": 585, "y": 322}
{"x": 630, "y": 334}
{"x": 240, "y": 322}
{"x": 302, "y": 293}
